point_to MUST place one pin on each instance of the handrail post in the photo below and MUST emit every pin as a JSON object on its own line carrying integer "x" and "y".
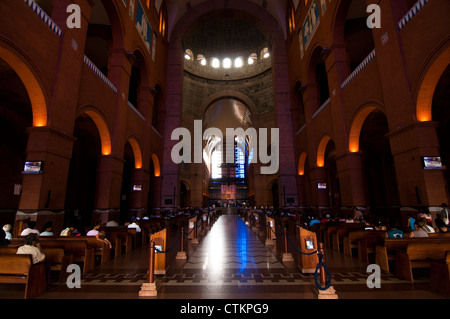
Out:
{"x": 151, "y": 262}
{"x": 330, "y": 292}
{"x": 181, "y": 254}
{"x": 148, "y": 289}
{"x": 286, "y": 255}
{"x": 323, "y": 279}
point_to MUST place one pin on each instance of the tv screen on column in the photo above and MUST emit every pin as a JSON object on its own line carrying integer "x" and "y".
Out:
{"x": 321, "y": 185}
{"x": 432, "y": 162}
{"x": 33, "y": 167}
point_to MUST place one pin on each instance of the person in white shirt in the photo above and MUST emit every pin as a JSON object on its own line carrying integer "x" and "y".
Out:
{"x": 135, "y": 225}
{"x": 30, "y": 229}
{"x": 112, "y": 223}
{"x": 94, "y": 230}
{"x": 33, "y": 248}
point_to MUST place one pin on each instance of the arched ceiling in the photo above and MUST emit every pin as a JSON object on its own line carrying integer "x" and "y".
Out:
{"x": 226, "y": 31}
{"x": 227, "y": 113}
{"x": 177, "y": 8}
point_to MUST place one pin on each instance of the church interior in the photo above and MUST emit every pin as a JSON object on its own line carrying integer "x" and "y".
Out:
{"x": 225, "y": 149}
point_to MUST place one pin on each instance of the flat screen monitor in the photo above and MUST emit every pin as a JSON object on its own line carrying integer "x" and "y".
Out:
{"x": 321, "y": 185}
{"x": 432, "y": 162}
{"x": 33, "y": 167}
{"x": 137, "y": 188}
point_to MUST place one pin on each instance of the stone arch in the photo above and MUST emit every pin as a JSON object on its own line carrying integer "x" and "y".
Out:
{"x": 102, "y": 128}
{"x": 32, "y": 86}
{"x": 301, "y": 163}
{"x": 136, "y": 151}
{"x": 320, "y": 161}
{"x": 229, "y": 94}
{"x": 156, "y": 165}
{"x": 357, "y": 124}
{"x": 428, "y": 84}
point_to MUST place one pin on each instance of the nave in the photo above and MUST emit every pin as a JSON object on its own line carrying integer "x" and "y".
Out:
{"x": 230, "y": 262}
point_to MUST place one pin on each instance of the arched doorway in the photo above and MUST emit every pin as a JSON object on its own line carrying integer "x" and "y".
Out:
{"x": 126, "y": 188}
{"x": 184, "y": 194}
{"x": 441, "y": 115}
{"x": 379, "y": 164}
{"x": 333, "y": 182}
{"x": 16, "y": 116}
{"x": 82, "y": 179}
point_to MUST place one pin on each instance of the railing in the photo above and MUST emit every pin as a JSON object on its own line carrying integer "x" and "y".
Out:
{"x": 135, "y": 110}
{"x": 43, "y": 16}
{"x": 99, "y": 73}
{"x": 412, "y": 13}
{"x": 360, "y": 67}
{"x": 320, "y": 109}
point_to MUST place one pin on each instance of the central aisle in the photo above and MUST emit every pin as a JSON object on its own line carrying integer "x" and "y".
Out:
{"x": 231, "y": 246}
{"x": 230, "y": 262}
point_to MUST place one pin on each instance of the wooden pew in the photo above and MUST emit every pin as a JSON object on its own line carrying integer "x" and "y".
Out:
{"x": 55, "y": 257}
{"x": 81, "y": 251}
{"x": 350, "y": 241}
{"x": 19, "y": 269}
{"x": 385, "y": 252}
{"x": 419, "y": 255}
{"x": 116, "y": 241}
{"x": 367, "y": 246}
{"x": 337, "y": 233}
{"x": 440, "y": 275}
{"x": 122, "y": 232}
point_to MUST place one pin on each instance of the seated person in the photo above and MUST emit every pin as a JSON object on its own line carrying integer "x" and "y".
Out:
{"x": 69, "y": 231}
{"x": 47, "y": 230}
{"x": 441, "y": 227}
{"x": 419, "y": 231}
{"x": 7, "y": 228}
{"x": 32, "y": 247}
{"x": 94, "y": 230}
{"x": 134, "y": 224}
{"x": 112, "y": 223}
{"x": 393, "y": 231}
{"x": 30, "y": 229}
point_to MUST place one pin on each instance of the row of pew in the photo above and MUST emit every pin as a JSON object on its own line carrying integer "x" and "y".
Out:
{"x": 86, "y": 251}
{"x": 398, "y": 256}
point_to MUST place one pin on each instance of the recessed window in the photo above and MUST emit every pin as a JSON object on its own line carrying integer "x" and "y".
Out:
{"x": 265, "y": 53}
{"x": 203, "y": 61}
{"x": 188, "y": 55}
{"x": 238, "y": 62}
{"x": 215, "y": 63}
{"x": 227, "y": 63}
{"x": 253, "y": 57}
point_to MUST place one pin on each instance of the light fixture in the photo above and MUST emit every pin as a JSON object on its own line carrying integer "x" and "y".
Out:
{"x": 238, "y": 62}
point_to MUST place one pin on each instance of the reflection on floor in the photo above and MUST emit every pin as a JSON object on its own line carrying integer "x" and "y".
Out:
{"x": 231, "y": 262}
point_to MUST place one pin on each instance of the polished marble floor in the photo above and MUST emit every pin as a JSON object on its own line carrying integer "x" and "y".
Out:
{"x": 230, "y": 262}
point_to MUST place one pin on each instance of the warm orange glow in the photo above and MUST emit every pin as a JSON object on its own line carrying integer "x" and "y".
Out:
{"x": 156, "y": 165}
{"x": 38, "y": 104}
{"x": 429, "y": 83}
{"x": 321, "y": 151}
{"x": 301, "y": 164}
{"x": 102, "y": 131}
{"x": 137, "y": 152}
{"x": 355, "y": 131}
